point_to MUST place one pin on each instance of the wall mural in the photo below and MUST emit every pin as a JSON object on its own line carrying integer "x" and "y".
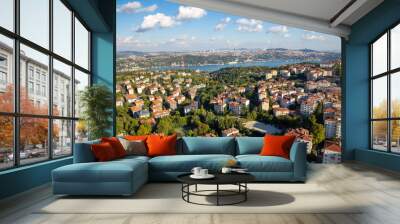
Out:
{"x": 194, "y": 72}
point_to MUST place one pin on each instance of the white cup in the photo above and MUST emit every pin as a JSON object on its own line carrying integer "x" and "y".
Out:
{"x": 203, "y": 172}
{"x": 226, "y": 170}
{"x": 196, "y": 171}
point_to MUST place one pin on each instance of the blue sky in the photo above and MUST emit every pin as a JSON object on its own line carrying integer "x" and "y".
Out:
{"x": 158, "y": 25}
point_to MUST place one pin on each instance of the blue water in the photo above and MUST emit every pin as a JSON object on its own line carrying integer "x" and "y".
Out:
{"x": 211, "y": 68}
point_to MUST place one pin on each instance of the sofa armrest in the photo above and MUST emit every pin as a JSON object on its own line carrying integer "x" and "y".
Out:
{"x": 83, "y": 152}
{"x": 298, "y": 155}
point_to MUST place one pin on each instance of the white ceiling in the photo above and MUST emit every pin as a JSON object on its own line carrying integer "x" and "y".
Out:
{"x": 313, "y": 15}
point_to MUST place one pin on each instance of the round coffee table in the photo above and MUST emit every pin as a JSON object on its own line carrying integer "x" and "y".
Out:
{"x": 238, "y": 179}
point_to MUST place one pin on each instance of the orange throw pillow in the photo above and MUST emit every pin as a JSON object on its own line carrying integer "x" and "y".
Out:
{"x": 103, "y": 152}
{"x": 116, "y": 145}
{"x": 277, "y": 145}
{"x": 161, "y": 145}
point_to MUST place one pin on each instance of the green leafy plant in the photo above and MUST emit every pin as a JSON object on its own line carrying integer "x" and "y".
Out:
{"x": 97, "y": 103}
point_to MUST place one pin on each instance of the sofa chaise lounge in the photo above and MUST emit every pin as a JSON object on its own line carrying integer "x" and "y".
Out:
{"x": 125, "y": 176}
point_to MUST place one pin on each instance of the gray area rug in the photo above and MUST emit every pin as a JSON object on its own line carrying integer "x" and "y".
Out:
{"x": 166, "y": 198}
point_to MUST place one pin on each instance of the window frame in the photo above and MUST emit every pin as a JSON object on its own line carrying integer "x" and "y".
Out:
{"x": 388, "y": 74}
{"x": 16, "y": 114}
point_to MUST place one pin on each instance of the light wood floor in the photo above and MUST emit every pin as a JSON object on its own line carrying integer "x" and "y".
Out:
{"x": 377, "y": 188}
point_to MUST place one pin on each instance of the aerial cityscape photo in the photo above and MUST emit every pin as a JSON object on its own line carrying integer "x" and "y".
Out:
{"x": 233, "y": 77}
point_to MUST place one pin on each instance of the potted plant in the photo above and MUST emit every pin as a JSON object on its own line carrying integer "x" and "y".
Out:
{"x": 96, "y": 102}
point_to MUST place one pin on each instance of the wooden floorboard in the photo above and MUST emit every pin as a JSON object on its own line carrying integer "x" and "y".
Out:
{"x": 378, "y": 190}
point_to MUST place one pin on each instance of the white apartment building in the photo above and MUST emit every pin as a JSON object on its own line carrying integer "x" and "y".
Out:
{"x": 338, "y": 128}
{"x": 34, "y": 79}
{"x": 332, "y": 154}
{"x": 330, "y": 128}
{"x": 219, "y": 107}
{"x": 281, "y": 112}
{"x": 307, "y": 107}
{"x": 235, "y": 108}
{"x": 265, "y": 104}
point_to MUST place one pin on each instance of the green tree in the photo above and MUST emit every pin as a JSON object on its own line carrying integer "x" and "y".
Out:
{"x": 317, "y": 130}
{"x": 144, "y": 129}
{"x": 97, "y": 103}
{"x": 252, "y": 115}
{"x": 165, "y": 126}
{"x": 319, "y": 113}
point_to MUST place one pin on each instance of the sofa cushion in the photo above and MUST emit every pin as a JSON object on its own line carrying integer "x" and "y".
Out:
{"x": 103, "y": 152}
{"x": 277, "y": 145}
{"x": 249, "y": 145}
{"x": 116, "y": 145}
{"x": 134, "y": 147}
{"x": 112, "y": 171}
{"x": 257, "y": 163}
{"x": 161, "y": 145}
{"x": 185, "y": 163}
{"x": 208, "y": 145}
{"x": 133, "y": 158}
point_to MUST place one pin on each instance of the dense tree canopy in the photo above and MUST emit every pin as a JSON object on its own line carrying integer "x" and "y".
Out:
{"x": 33, "y": 131}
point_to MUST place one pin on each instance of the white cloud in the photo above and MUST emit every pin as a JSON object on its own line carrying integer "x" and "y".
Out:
{"x": 249, "y": 25}
{"x": 183, "y": 40}
{"x": 222, "y": 24}
{"x": 189, "y": 13}
{"x": 278, "y": 29}
{"x": 157, "y": 20}
{"x": 313, "y": 36}
{"x": 150, "y": 8}
{"x": 131, "y": 42}
{"x": 126, "y": 40}
{"x": 136, "y": 7}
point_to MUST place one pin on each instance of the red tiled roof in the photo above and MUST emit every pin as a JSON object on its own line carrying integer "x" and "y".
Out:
{"x": 334, "y": 148}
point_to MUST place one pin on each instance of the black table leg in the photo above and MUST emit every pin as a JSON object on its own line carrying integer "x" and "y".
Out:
{"x": 188, "y": 190}
{"x": 182, "y": 190}
{"x": 217, "y": 194}
{"x": 196, "y": 187}
{"x": 245, "y": 193}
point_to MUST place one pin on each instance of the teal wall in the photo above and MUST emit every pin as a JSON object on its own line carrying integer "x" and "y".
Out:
{"x": 24, "y": 178}
{"x": 103, "y": 60}
{"x": 103, "y": 53}
{"x": 356, "y": 85}
{"x": 99, "y": 15}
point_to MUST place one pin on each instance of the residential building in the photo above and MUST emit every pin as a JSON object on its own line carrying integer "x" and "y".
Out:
{"x": 281, "y": 111}
{"x": 307, "y": 107}
{"x": 302, "y": 135}
{"x": 180, "y": 99}
{"x": 161, "y": 114}
{"x": 265, "y": 104}
{"x": 330, "y": 128}
{"x": 235, "y": 108}
{"x": 231, "y": 132}
{"x": 172, "y": 104}
{"x": 329, "y": 112}
{"x": 219, "y": 107}
{"x": 332, "y": 153}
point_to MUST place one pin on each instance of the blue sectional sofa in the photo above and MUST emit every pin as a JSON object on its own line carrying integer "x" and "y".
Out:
{"x": 125, "y": 176}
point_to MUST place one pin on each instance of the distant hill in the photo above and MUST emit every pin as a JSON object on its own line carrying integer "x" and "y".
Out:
{"x": 123, "y": 54}
{"x": 129, "y": 59}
